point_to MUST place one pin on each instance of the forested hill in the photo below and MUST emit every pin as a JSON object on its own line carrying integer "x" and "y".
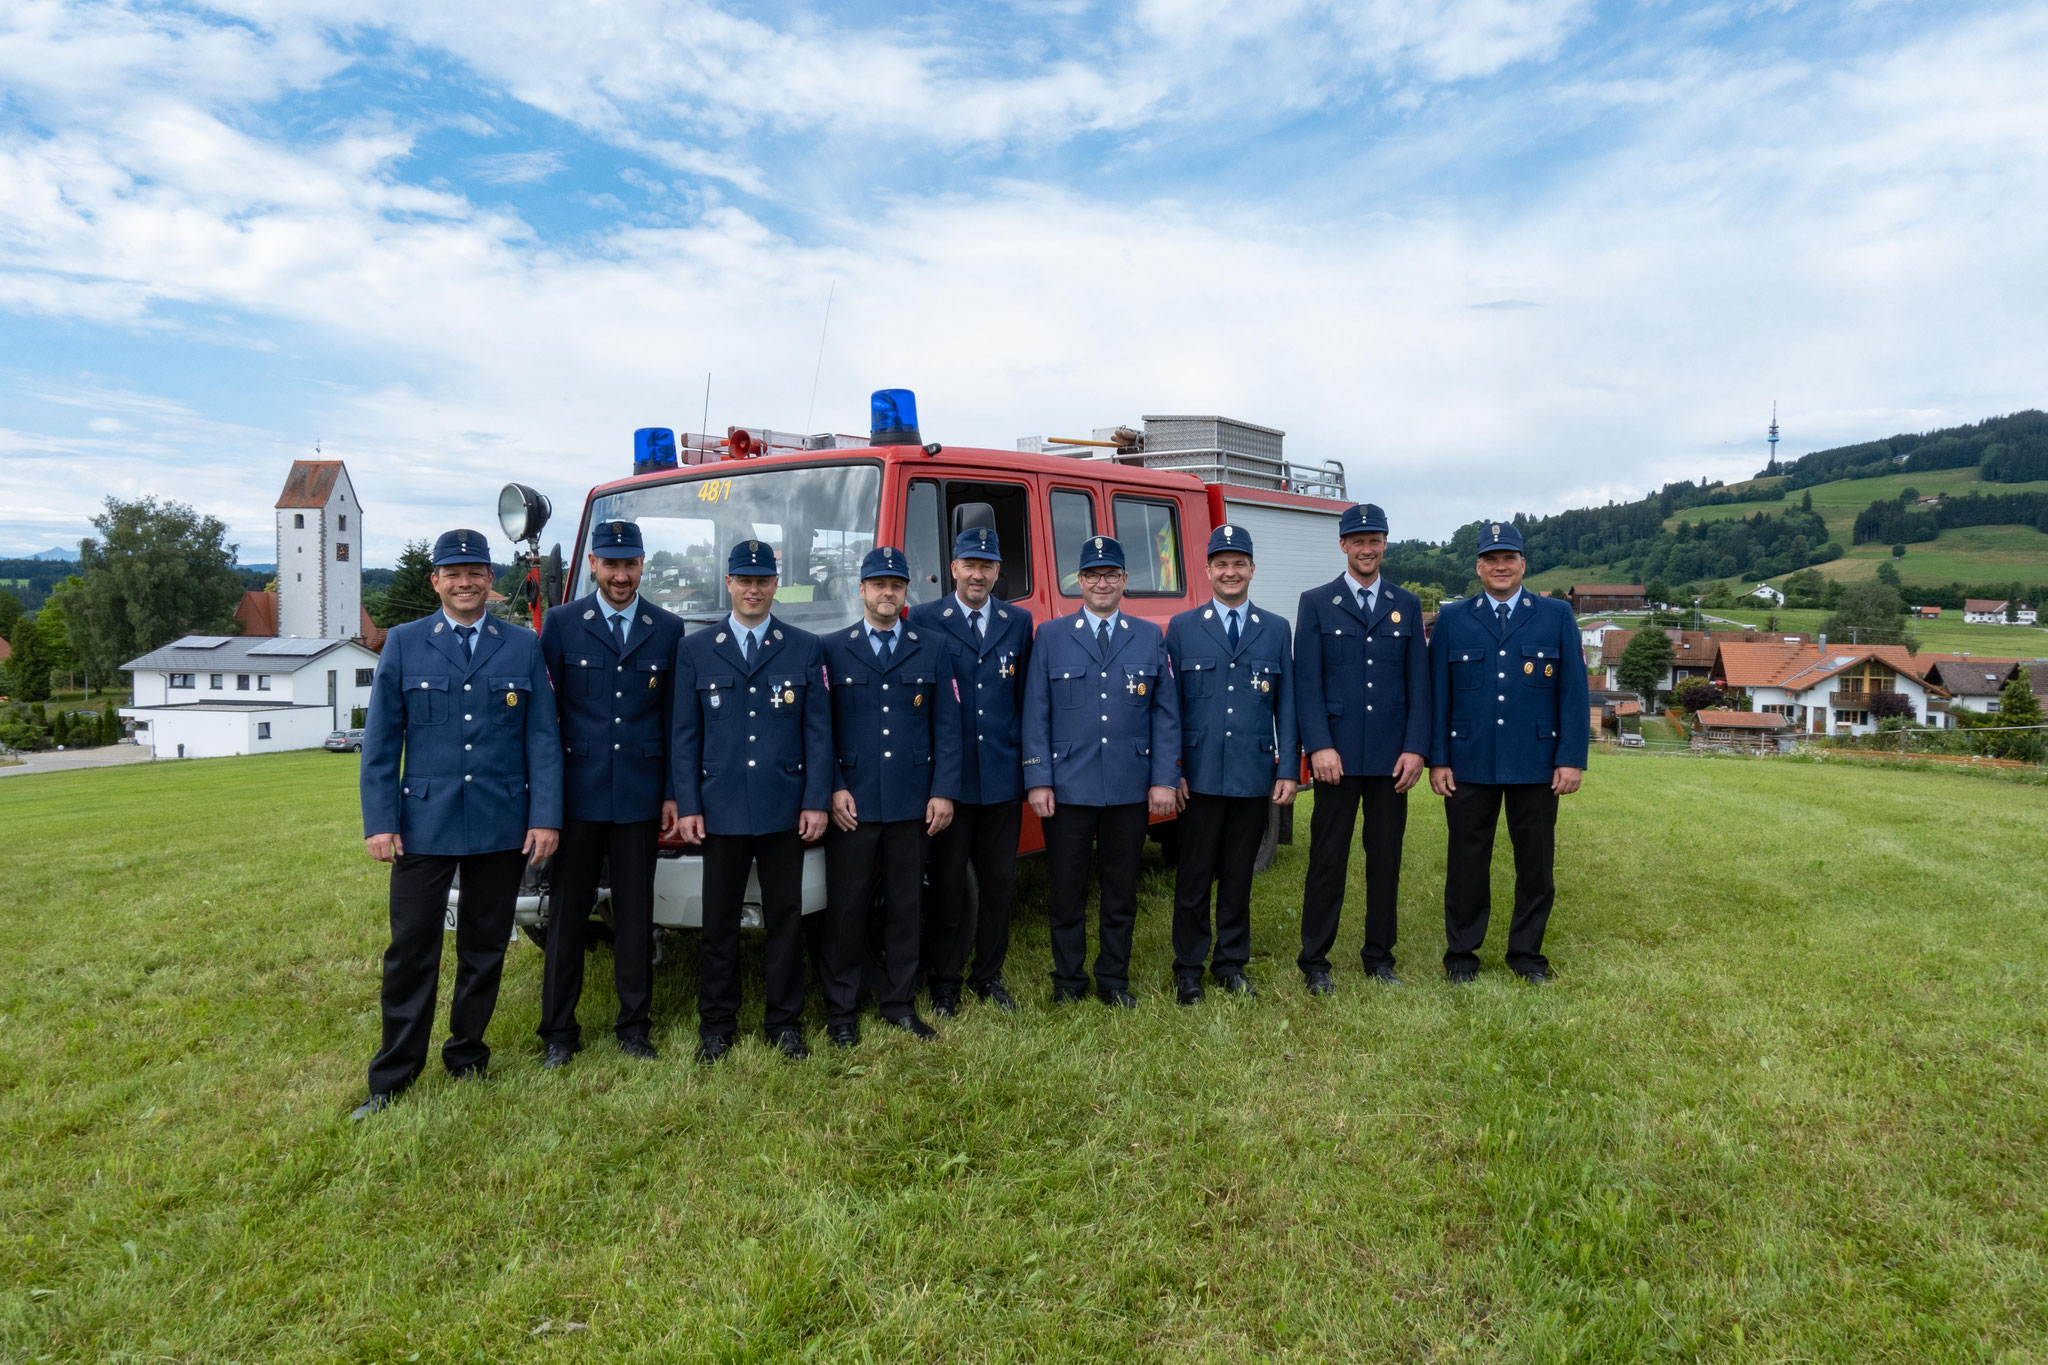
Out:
{"x": 2010, "y": 449}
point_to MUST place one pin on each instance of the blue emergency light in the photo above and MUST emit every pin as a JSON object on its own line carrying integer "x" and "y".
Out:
{"x": 894, "y": 421}
{"x": 654, "y": 449}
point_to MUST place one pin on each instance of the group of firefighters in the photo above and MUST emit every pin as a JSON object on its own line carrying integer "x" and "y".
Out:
{"x": 908, "y": 742}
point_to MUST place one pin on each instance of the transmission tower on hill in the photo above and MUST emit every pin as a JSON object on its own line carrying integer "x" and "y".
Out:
{"x": 1773, "y": 465}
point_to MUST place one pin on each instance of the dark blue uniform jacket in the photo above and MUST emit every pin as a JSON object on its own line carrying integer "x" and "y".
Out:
{"x": 991, "y": 672}
{"x": 616, "y": 709}
{"x": 1099, "y": 730}
{"x": 1362, "y": 685}
{"x": 461, "y": 751}
{"x": 1237, "y": 730}
{"x": 752, "y": 748}
{"x": 895, "y": 729}
{"x": 1509, "y": 707}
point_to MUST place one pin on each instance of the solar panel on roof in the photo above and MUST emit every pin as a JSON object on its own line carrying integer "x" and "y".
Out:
{"x": 291, "y": 647}
{"x": 201, "y": 642}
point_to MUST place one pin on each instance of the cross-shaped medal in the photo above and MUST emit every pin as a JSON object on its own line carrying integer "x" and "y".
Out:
{"x": 775, "y": 697}
{"x": 1131, "y": 685}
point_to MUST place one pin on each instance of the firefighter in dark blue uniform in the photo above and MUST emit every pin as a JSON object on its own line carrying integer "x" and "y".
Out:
{"x": 1238, "y": 759}
{"x": 612, "y": 657}
{"x": 896, "y": 732}
{"x": 1362, "y": 672}
{"x": 462, "y": 770}
{"x": 752, "y": 757}
{"x": 991, "y": 643}
{"x": 1101, "y": 757}
{"x": 1508, "y": 729}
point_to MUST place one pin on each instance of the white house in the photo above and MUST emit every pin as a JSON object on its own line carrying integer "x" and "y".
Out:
{"x": 319, "y": 552}
{"x": 1973, "y": 684}
{"x": 1769, "y": 592}
{"x": 209, "y": 696}
{"x": 1824, "y": 689}
{"x": 1592, "y": 634}
{"x": 1981, "y": 611}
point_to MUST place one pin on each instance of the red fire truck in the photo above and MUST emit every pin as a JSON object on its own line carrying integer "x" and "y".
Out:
{"x": 823, "y": 501}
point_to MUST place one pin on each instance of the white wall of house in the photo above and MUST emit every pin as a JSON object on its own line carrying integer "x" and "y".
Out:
{"x": 283, "y": 685}
{"x": 1809, "y": 711}
{"x": 204, "y": 732}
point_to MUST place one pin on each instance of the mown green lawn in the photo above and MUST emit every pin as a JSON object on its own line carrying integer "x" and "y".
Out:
{"x": 1785, "y": 1104}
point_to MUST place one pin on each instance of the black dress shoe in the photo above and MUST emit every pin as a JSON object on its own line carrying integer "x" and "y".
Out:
{"x": 711, "y": 1049}
{"x": 946, "y": 1002}
{"x": 914, "y": 1026}
{"x": 1065, "y": 995}
{"x": 1237, "y": 983}
{"x": 1189, "y": 991}
{"x": 638, "y": 1047}
{"x": 1535, "y": 976}
{"x": 1117, "y": 998}
{"x": 790, "y": 1043}
{"x": 1319, "y": 983}
{"x": 378, "y": 1102}
{"x": 843, "y": 1036}
{"x": 995, "y": 993}
{"x": 473, "y": 1072}
{"x": 1461, "y": 976}
{"x": 559, "y": 1056}
{"x": 1384, "y": 974}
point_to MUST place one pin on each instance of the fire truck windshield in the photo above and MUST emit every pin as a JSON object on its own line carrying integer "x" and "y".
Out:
{"x": 820, "y": 519}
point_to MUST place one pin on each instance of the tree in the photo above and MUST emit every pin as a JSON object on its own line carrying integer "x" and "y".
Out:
{"x": 1644, "y": 663}
{"x": 1657, "y": 590}
{"x": 411, "y": 594}
{"x": 1868, "y": 613}
{"x": 1696, "y": 694}
{"x": 1771, "y": 622}
{"x": 1898, "y": 552}
{"x": 1890, "y": 706}
{"x": 1888, "y": 574}
{"x": 2017, "y": 705}
{"x": 54, "y": 623}
{"x": 1807, "y": 588}
{"x": 60, "y": 729}
{"x": 156, "y": 571}
{"x": 10, "y": 611}
{"x": 110, "y": 723}
{"x": 30, "y": 665}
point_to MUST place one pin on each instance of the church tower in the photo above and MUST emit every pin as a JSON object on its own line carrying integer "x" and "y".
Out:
{"x": 319, "y": 553}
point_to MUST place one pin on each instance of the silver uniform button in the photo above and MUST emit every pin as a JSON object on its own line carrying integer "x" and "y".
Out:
{"x": 467, "y": 747}
{"x": 465, "y": 717}
{"x": 750, "y": 763}
{"x": 465, "y": 687}
{"x": 465, "y": 777}
{"x": 615, "y": 748}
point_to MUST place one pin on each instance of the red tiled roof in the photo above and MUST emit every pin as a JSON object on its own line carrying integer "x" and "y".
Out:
{"x": 1802, "y": 666}
{"x": 310, "y": 484}
{"x": 372, "y": 633}
{"x": 1742, "y": 720}
{"x": 6, "y": 650}
{"x": 258, "y": 613}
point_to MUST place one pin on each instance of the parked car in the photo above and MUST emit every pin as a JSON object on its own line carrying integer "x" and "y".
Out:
{"x": 346, "y": 741}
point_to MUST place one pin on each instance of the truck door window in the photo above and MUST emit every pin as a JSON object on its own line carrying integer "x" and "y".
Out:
{"x": 1150, "y": 533}
{"x": 921, "y": 528}
{"x": 1005, "y": 509}
{"x": 1073, "y": 521}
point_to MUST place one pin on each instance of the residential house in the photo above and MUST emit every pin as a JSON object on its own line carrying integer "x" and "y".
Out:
{"x": 1982, "y": 611}
{"x": 1769, "y": 592}
{"x": 1591, "y": 633}
{"x": 1628, "y": 597}
{"x": 1693, "y": 652}
{"x": 209, "y": 696}
{"x": 1972, "y": 684}
{"x": 1756, "y": 732}
{"x": 1824, "y": 689}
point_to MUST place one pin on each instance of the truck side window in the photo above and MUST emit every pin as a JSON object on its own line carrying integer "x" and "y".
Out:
{"x": 969, "y": 504}
{"x": 1150, "y": 532}
{"x": 1073, "y": 521}
{"x": 922, "y": 527}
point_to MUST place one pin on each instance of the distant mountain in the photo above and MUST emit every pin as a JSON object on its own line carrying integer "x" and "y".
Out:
{"x": 2010, "y": 449}
{"x": 55, "y": 552}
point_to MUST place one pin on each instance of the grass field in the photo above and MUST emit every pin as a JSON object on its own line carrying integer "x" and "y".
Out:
{"x": 1782, "y": 1105}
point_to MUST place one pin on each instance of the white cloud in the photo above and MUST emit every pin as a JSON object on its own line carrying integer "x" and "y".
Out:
{"x": 516, "y": 168}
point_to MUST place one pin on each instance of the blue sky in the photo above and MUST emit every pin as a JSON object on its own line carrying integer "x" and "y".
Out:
{"x": 1496, "y": 256}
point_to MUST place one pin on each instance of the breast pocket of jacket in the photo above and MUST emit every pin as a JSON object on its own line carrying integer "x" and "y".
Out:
{"x": 1265, "y": 680}
{"x": 1468, "y": 670}
{"x": 917, "y": 691}
{"x": 716, "y": 697}
{"x": 644, "y": 683}
{"x": 1343, "y": 645}
{"x": 1197, "y": 677}
{"x": 786, "y": 697}
{"x": 1139, "y": 680}
{"x": 1070, "y": 690}
{"x": 426, "y": 699}
{"x": 586, "y": 676}
{"x": 509, "y": 699}
{"x": 1540, "y": 664}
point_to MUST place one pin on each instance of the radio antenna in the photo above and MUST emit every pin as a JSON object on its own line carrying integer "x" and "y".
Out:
{"x": 705, "y": 425}
{"x": 819, "y": 368}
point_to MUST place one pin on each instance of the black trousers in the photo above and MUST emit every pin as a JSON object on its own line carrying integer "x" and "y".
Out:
{"x": 728, "y": 858}
{"x": 1330, "y": 822}
{"x": 1219, "y": 842}
{"x": 1473, "y": 813}
{"x": 877, "y": 856}
{"x": 986, "y": 836}
{"x": 1071, "y": 836}
{"x": 412, "y": 964}
{"x": 579, "y": 860}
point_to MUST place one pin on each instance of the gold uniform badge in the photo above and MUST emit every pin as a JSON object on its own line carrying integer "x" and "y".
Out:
{"x": 654, "y": 680}
{"x": 917, "y": 699}
{"x": 1141, "y": 689}
{"x": 1547, "y": 668}
{"x": 511, "y": 699}
{"x": 1395, "y": 617}
{"x": 1528, "y": 668}
{"x": 789, "y": 696}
